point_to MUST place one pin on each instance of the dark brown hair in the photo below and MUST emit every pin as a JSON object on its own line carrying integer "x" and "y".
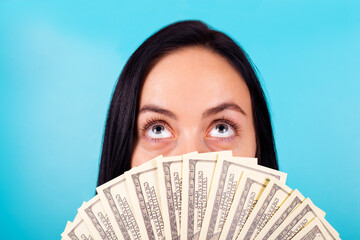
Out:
{"x": 120, "y": 129}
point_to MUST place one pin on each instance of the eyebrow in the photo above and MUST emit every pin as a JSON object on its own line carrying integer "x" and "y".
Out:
{"x": 157, "y": 109}
{"x": 222, "y": 107}
{"x": 207, "y": 113}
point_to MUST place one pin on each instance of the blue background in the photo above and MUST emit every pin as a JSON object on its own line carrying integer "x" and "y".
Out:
{"x": 59, "y": 63}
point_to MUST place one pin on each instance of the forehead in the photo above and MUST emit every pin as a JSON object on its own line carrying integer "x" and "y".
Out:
{"x": 196, "y": 76}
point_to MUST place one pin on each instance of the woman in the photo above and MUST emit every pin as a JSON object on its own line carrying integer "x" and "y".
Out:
{"x": 186, "y": 88}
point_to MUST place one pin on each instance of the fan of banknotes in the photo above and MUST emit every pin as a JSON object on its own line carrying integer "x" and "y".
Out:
{"x": 211, "y": 195}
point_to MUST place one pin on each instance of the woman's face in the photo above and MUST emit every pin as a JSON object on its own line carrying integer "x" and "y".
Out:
{"x": 193, "y": 100}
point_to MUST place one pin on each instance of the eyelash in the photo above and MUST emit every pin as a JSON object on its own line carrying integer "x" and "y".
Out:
{"x": 232, "y": 124}
{"x": 151, "y": 121}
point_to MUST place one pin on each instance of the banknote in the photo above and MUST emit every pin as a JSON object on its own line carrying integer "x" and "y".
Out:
{"x": 301, "y": 216}
{"x": 115, "y": 199}
{"x": 170, "y": 185}
{"x": 197, "y": 171}
{"x": 270, "y": 200}
{"x": 95, "y": 217}
{"x": 63, "y": 236}
{"x": 226, "y": 178}
{"x": 281, "y": 214}
{"x": 211, "y": 195}
{"x": 249, "y": 190}
{"x": 142, "y": 184}
{"x": 78, "y": 230}
{"x": 313, "y": 231}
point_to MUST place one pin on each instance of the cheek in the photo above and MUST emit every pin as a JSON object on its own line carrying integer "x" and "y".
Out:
{"x": 142, "y": 153}
{"x": 135, "y": 159}
{"x": 246, "y": 147}
{"x": 138, "y": 156}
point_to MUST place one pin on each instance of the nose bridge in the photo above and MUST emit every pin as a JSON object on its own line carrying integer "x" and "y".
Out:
{"x": 190, "y": 140}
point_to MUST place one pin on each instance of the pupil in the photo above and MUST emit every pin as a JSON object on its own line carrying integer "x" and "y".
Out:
{"x": 157, "y": 129}
{"x": 222, "y": 128}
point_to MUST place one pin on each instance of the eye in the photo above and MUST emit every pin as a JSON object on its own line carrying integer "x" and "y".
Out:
{"x": 223, "y": 128}
{"x": 158, "y": 131}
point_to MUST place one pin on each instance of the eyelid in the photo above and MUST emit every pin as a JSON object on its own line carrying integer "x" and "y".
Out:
{"x": 151, "y": 121}
{"x": 232, "y": 124}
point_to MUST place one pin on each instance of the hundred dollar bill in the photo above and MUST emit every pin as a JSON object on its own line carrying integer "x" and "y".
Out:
{"x": 281, "y": 214}
{"x": 313, "y": 231}
{"x": 170, "y": 178}
{"x": 68, "y": 224}
{"x": 197, "y": 175}
{"x": 63, "y": 236}
{"x": 226, "y": 178}
{"x": 249, "y": 190}
{"x": 270, "y": 200}
{"x": 145, "y": 195}
{"x": 301, "y": 216}
{"x": 78, "y": 230}
{"x": 115, "y": 199}
{"x": 95, "y": 217}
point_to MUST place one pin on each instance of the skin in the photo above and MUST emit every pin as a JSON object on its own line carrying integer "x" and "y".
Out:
{"x": 179, "y": 92}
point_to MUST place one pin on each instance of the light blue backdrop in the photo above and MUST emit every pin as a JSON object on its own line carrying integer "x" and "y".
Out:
{"x": 59, "y": 63}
